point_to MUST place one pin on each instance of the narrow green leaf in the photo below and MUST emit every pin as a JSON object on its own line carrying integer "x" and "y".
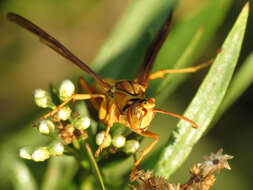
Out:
{"x": 206, "y": 102}
{"x": 178, "y": 42}
{"x": 128, "y": 42}
{"x": 95, "y": 166}
{"x": 21, "y": 177}
{"x": 242, "y": 80}
{"x": 60, "y": 173}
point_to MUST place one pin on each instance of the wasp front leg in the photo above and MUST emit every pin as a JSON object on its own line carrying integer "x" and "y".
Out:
{"x": 145, "y": 151}
{"x": 83, "y": 85}
{"x": 74, "y": 97}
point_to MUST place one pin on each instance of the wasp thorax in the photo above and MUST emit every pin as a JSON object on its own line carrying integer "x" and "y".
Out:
{"x": 141, "y": 113}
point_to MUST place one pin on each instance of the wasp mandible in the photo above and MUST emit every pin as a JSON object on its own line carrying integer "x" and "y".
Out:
{"x": 117, "y": 101}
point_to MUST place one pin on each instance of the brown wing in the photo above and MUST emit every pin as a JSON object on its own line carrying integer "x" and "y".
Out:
{"x": 152, "y": 52}
{"x": 55, "y": 45}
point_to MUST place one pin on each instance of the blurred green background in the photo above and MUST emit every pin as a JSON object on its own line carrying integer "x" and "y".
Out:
{"x": 83, "y": 26}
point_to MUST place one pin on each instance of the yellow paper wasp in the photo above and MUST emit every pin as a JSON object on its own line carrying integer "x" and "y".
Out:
{"x": 122, "y": 101}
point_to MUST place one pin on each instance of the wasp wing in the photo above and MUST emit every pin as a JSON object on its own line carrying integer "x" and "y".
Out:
{"x": 152, "y": 52}
{"x": 55, "y": 45}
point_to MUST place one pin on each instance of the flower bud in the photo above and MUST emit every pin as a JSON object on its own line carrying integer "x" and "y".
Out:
{"x": 43, "y": 99}
{"x": 82, "y": 123}
{"x": 41, "y": 154}
{"x": 56, "y": 148}
{"x": 46, "y": 127}
{"x": 66, "y": 90}
{"x": 131, "y": 146}
{"x": 26, "y": 153}
{"x": 64, "y": 113}
{"x": 100, "y": 138}
{"x": 118, "y": 141}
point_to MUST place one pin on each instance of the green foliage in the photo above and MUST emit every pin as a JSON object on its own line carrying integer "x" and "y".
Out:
{"x": 206, "y": 102}
{"x": 119, "y": 57}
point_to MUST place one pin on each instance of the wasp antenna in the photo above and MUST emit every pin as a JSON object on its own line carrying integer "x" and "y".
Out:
{"x": 195, "y": 125}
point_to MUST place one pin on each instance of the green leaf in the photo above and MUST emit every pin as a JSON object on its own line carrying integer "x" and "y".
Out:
{"x": 60, "y": 172}
{"x": 127, "y": 43}
{"x": 93, "y": 162}
{"x": 178, "y": 42}
{"x": 242, "y": 80}
{"x": 206, "y": 102}
{"x": 21, "y": 177}
{"x": 163, "y": 89}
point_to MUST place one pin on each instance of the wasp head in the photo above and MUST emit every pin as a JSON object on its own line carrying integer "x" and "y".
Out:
{"x": 141, "y": 113}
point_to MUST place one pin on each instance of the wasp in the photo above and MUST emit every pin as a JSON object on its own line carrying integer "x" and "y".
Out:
{"x": 117, "y": 101}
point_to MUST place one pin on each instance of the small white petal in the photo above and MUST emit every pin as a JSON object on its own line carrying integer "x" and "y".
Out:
{"x": 41, "y": 154}
{"x": 118, "y": 141}
{"x": 67, "y": 89}
{"x": 82, "y": 123}
{"x": 64, "y": 113}
{"x": 100, "y": 137}
{"x": 46, "y": 127}
{"x": 42, "y": 98}
{"x": 57, "y": 149}
{"x": 25, "y": 153}
{"x": 131, "y": 146}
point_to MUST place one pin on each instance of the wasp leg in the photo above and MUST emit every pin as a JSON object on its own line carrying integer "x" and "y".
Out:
{"x": 161, "y": 73}
{"x": 145, "y": 151}
{"x": 110, "y": 119}
{"x": 71, "y": 98}
{"x": 82, "y": 84}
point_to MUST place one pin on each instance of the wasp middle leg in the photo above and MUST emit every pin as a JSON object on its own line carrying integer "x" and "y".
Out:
{"x": 109, "y": 118}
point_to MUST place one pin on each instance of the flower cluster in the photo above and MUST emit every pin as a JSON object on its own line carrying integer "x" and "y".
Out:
{"x": 202, "y": 175}
{"x": 41, "y": 154}
{"x": 67, "y": 126}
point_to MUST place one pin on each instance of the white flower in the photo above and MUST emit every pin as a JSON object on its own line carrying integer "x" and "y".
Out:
{"x": 67, "y": 89}
{"x": 46, "y": 127}
{"x": 118, "y": 141}
{"x": 57, "y": 149}
{"x": 26, "y": 153}
{"x": 64, "y": 113}
{"x": 131, "y": 146}
{"x": 100, "y": 138}
{"x": 82, "y": 123}
{"x": 43, "y": 99}
{"x": 41, "y": 154}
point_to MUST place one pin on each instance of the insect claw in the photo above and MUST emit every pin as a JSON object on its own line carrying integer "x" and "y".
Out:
{"x": 97, "y": 152}
{"x": 132, "y": 175}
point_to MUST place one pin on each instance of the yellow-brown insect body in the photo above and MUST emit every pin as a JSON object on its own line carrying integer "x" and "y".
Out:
{"x": 132, "y": 108}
